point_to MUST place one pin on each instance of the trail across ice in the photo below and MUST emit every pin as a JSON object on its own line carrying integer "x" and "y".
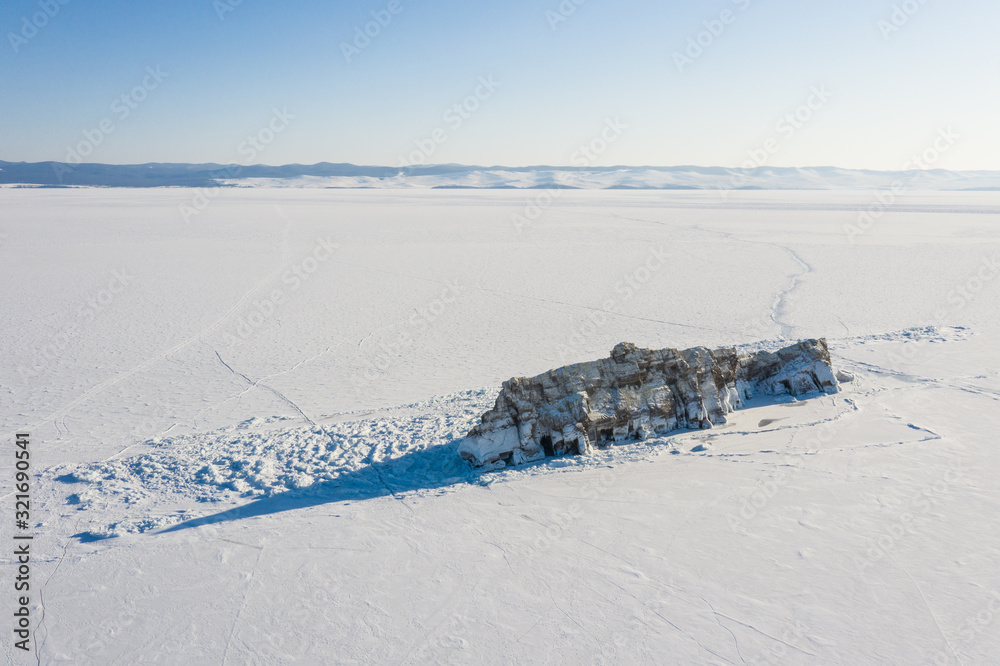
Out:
{"x": 779, "y": 312}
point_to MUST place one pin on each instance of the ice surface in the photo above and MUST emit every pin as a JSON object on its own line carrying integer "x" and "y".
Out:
{"x": 260, "y": 404}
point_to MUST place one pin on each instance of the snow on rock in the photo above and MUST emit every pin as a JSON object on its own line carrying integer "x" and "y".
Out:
{"x": 636, "y": 393}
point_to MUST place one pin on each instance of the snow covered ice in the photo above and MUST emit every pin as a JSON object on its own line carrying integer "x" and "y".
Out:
{"x": 267, "y": 470}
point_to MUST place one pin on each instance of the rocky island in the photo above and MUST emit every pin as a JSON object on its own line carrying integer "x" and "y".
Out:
{"x": 636, "y": 393}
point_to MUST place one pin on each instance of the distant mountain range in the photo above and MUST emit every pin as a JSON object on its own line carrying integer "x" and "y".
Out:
{"x": 328, "y": 175}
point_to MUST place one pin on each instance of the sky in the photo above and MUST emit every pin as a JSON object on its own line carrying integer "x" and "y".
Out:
{"x": 870, "y": 84}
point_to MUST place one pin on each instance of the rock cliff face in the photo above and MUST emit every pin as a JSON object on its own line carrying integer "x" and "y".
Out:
{"x": 634, "y": 394}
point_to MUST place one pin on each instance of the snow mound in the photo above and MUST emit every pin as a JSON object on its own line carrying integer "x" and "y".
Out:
{"x": 344, "y": 456}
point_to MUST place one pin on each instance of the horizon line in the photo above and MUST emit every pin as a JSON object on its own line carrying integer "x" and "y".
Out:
{"x": 480, "y": 166}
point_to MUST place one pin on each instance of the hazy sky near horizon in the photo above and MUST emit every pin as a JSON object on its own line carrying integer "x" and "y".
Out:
{"x": 856, "y": 83}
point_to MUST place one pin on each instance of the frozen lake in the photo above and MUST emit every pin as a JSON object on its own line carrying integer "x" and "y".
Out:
{"x": 334, "y": 343}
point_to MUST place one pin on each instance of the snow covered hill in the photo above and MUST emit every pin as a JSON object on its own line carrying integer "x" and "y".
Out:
{"x": 327, "y": 175}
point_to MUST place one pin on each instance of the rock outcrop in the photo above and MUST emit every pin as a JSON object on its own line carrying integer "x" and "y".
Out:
{"x": 636, "y": 393}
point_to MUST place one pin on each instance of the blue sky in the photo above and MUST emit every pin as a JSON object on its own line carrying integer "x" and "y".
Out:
{"x": 891, "y": 77}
